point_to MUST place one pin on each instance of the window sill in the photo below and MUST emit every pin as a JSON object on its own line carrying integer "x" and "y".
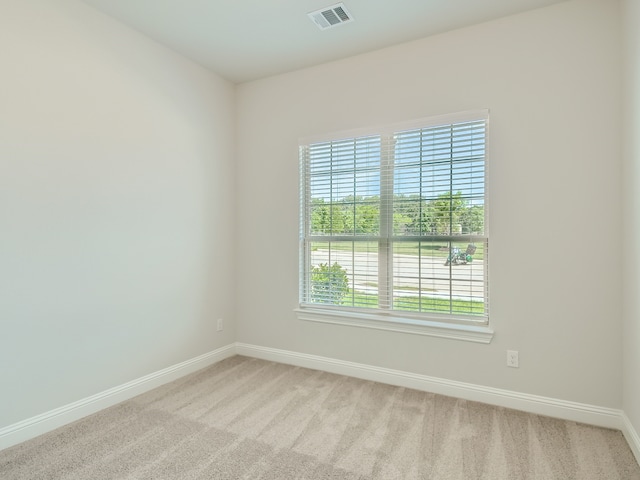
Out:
{"x": 465, "y": 332}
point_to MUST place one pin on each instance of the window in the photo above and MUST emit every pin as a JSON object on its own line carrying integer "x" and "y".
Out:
{"x": 393, "y": 223}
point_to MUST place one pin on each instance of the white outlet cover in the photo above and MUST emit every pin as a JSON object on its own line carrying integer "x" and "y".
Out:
{"x": 512, "y": 358}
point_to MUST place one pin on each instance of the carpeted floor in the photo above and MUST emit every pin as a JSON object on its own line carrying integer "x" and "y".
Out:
{"x": 251, "y": 419}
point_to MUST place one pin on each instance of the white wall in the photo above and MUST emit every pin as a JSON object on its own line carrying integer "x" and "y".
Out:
{"x": 631, "y": 345}
{"x": 116, "y": 206}
{"x": 118, "y": 224}
{"x": 551, "y": 79}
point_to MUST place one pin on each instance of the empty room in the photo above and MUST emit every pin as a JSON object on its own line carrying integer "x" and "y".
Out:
{"x": 277, "y": 239}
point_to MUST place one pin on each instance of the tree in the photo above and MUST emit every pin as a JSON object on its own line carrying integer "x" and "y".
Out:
{"x": 445, "y": 215}
{"x": 320, "y": 217}
{"x": 447, "y": 212}
{"x": 400, "y": 223}
{"x": 416, "y": 211}
{"x": 367, "y": 219}
{"x": 326, "y": 218}
{"x": 337, "y": 218}
{"x": 329, "y": 284}
{"x": 472, "y": 219}
{"x": 361, "y": 215}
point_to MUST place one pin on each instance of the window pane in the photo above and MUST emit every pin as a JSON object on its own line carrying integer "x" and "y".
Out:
{"x": 344, "y": 273}
{"x": 344, "y": 186}
{"x": 441, "y": 277}
{"x": 345, "y": 168}
{"x": 439, "y": 180}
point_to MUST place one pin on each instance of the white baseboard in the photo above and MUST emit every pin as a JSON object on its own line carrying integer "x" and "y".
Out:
{"x": 590, "y": 414}
{"x": 631, "y": 435}
{"x": 578, "y": 412}
{"x": 34, "y": 426}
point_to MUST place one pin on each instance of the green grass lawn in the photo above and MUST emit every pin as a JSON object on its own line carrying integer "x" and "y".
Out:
{"x": 418, "y": 304}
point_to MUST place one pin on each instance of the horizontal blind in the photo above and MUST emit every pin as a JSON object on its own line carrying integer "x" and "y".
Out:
{"x": 341, "y": 215}
{"x": 439, "y": 216}
{"x": 440, "y": 171}
{"x": 343, "y": 178}
{"x": 383, "y": 215}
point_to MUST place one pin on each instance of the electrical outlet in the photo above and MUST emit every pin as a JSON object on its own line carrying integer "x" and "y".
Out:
{"x": 512, "y": 358}
{"x": 219, "y": 324}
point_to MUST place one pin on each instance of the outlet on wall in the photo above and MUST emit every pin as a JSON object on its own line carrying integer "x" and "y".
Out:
{"x": 219, "y": 328}
{"x": 512, "y": 358}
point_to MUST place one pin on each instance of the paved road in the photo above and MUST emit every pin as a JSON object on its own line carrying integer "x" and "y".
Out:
{"x": 427, "y": 274}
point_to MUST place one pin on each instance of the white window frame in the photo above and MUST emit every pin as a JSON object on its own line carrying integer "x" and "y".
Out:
{"x": 460, "y": 327}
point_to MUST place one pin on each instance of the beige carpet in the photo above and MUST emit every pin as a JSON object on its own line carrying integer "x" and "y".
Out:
{"x": 248, "y": 418}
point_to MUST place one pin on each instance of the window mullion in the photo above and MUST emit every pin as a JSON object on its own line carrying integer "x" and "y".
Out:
{"x": 305, "y": 224}
{"x": 385, "y": 246}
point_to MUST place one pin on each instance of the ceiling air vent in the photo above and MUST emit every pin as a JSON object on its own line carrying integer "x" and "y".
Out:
{"x": 332, "y": 16}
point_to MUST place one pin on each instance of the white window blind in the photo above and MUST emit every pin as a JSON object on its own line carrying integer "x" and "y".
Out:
{"x": 395, "y": 222}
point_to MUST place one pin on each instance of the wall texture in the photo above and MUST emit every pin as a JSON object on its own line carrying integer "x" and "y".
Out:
{"x": 631, "y": 339}
{"x": 551, "y": 80}
{"x": 116, "y": 206}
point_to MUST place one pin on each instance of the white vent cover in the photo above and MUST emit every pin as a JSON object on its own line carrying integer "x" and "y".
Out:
{"x": 332, "y": 16}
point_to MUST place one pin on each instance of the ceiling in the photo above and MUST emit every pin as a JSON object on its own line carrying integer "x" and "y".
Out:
{"x": 245, "y": 40}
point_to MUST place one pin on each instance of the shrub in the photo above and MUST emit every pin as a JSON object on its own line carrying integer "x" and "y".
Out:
{"x": 329, "y": 284}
